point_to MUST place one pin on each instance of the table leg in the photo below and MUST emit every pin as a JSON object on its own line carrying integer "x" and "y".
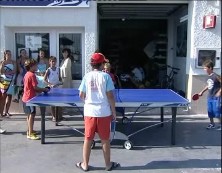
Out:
{"x": 161, "y": 116}
{"x": 173, "y": 127}
{"x": 43, "y": 128}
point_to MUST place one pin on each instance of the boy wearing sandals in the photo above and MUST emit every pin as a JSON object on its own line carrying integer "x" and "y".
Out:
{"x": 214, "y": 94}
{"x": 30, "y": 89}
{"x": 96, "y": 90}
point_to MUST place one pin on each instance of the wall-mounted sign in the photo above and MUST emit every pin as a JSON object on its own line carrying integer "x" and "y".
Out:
{"x": 50, "y": 3}
{"x": 209, "y": 21}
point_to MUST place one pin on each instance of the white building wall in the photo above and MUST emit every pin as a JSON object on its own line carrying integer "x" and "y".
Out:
{"x": 173, "y": 60}
{"x": 201, "y": 38}
{"x": 49, "y": 18}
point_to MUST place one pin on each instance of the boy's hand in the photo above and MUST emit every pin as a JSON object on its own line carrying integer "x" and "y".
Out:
{"x": 200, "y": 94}
{"x": 114, "y": 116}
{"x": 46, "y": 90}
{"x": 51, "y": 86}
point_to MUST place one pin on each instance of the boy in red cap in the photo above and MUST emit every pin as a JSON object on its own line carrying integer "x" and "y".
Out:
{"x": 96, "y": 90}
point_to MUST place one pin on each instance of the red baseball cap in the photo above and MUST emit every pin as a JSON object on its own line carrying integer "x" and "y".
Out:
{"x": 98, "y": 58}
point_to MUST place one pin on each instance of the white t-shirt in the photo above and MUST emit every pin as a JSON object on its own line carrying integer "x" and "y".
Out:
{"x": 95, "y": 84}
{"x": 53, "y": 77}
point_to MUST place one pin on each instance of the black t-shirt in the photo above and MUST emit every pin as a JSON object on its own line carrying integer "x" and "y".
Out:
{"x": 213, "y": 85}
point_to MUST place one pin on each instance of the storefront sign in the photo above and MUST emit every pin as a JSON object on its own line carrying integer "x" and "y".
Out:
{"x": 51, "y": 3}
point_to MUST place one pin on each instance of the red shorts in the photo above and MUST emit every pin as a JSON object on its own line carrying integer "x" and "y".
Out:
{"x": 101, "y": 125}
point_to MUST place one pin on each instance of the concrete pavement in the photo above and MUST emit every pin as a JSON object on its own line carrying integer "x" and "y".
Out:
{"x": 196, "y": 149}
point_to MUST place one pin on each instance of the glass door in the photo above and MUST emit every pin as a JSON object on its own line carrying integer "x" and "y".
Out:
{"x": 32, "y": 42}
{"x": 72, "y": 41}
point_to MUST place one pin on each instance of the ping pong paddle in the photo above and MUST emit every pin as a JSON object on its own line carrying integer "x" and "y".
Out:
{"x": 195, "y": 97}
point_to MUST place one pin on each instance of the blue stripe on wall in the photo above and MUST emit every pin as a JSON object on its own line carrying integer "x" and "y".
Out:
{"x": 44, "y": 2}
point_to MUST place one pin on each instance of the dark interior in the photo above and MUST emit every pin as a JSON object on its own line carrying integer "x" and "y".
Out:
{"x": 123, "y": 41}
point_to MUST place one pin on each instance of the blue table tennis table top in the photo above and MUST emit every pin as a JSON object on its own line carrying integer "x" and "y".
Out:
{"x": 69, "y": 97}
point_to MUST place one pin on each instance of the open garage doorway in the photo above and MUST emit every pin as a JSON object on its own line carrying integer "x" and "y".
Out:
{"x": 135, "y": 43}
{"x": 136, "y": 35}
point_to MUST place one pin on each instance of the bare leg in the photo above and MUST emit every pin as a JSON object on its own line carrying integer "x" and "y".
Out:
{"x": 2, "y": 103}
{"x": 106, "y": 152}
{"x": 31, "y": 123}
{"x": 86, "y": 153}
{"x": 8, "y": 103}
{"x": 27, "y": 120}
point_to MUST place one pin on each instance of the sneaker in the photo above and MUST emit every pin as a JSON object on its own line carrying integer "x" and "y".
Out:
{"x": 33, "y": 137}
{"x": 2, "y": 131}
{"x": 34, "y": 132}
{"x": 210, "y": 126}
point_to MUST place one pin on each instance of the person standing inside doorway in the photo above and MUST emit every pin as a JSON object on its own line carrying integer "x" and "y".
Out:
{"x": 96, "y": 90}
{"x": 66, "y": 68}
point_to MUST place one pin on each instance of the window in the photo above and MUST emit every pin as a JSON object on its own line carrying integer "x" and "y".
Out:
{"x": 181, "y": 49}
{"x": 72, "y": 42}
{"x": 32, "y": 42}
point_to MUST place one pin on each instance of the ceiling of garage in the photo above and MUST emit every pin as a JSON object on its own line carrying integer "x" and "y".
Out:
{"x": 136, "y": 10}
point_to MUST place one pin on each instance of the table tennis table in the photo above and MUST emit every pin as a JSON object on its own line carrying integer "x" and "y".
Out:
{"x": 125, "y": 98}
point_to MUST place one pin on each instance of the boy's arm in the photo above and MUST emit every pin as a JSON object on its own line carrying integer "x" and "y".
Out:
{"x": 203, "y": 91}
{"x": 38, "y": 89}
{"x": 82, "y": 90}
{"x": 112, "y": 103}
{"x": 82, "y": 95}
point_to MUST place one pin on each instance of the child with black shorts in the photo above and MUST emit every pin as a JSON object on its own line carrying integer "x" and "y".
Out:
{"x": 214, "y": 94}
{"x": 30, "y": 89}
